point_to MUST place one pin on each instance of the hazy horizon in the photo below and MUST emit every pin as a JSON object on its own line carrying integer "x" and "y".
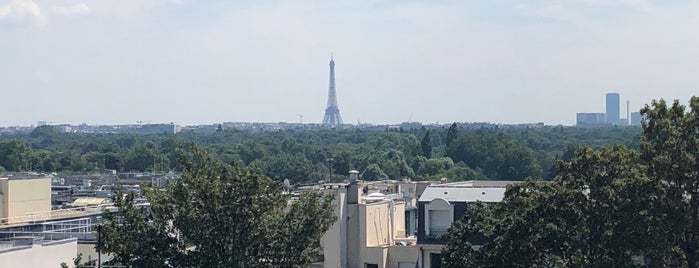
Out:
{"x": 202, "y": 62}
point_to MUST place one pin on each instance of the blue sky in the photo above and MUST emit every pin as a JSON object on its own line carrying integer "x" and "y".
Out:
{"x": 200, "y": 62}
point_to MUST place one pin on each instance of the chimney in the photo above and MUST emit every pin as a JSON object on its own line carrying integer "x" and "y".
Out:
{"x": 353, "y": 188}
{"x": 353, "y": 175}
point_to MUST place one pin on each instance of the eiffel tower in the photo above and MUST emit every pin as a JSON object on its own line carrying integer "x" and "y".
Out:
{"x": 332, "y": 112}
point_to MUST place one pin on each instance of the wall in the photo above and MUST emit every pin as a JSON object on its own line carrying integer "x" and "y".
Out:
{"x": 25, "y": 196}
{"x": 333, "y": 241}
{"x": 376, "y": 224}
{"x": 399, "y": 220}
{"x": 402, "y": 255}
{"x": 51, "y": 254}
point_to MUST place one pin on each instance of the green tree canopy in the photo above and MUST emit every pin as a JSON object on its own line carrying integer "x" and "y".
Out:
{"x": 596, "y": 213}
{"x": 219, "y": 215}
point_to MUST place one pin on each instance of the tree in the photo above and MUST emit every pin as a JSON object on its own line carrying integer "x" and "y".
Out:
{"x": 15, "y": 155}
{"x": 452, "y": 135}
{"x": 670, "y": 147}
{"x": 426, "y": 145}
{"x": 218, "y": 215}
{"x": 600, "y": 211}
{"x": 374, "y": 173}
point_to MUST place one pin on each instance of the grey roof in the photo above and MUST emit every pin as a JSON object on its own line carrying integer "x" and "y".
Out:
{"x": 468, "y": 191}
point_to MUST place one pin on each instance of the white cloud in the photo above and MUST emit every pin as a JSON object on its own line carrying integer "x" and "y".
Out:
{"x": 77, "y": 9}
{"x": 20, "y": 11}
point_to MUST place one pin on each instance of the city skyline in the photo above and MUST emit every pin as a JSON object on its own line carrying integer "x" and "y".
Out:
{"x": 192, "y": 62}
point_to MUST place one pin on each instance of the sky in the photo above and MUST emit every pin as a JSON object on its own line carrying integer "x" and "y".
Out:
{"x": 439, "y": 61}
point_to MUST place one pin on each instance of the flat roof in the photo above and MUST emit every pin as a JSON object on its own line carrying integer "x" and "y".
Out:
{"x": 22, "y": 176}
{"x": 467, "y": 191}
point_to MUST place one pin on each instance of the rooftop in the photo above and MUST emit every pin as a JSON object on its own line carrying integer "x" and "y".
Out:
{"x": 22, "y": 175}
{"x": 467, "y": 191}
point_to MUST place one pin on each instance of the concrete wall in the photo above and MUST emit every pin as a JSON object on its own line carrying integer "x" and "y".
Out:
{"x": 376, "y": 228}
{"x": 21, "y": 197}
{"x": 399, "y": 220}
{"x": 89, "y": 252}
{"x": 375, "y": 255}
{"x": 333, "y": 241}
{"x": 50, "y": 254}
{"x": 402, "y": 255}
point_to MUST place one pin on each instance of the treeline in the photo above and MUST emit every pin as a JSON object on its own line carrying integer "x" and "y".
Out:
{"x": 456, "y": 153}
{"x": 610, "y": 207}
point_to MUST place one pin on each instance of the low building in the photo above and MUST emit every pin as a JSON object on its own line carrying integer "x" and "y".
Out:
{"x": 590, "y": 119}
{"x": 24, "y": 197}
{"x": 30, "y": 252}
{"x": 441, "y": 204}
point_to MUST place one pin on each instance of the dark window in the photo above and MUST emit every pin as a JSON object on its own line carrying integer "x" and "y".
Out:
{"x": 435, "y": 260}
{"x": 371, "y": 265}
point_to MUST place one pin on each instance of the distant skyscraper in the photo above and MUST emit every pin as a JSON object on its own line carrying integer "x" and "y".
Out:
{"x": 612, "y": 113}
{"x": 332, "y": 112}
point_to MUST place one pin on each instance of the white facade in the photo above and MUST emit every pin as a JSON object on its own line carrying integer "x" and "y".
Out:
{"x": 31, "y": 252}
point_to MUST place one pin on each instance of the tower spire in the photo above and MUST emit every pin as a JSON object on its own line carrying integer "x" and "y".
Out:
{"x": 332, "y": 111}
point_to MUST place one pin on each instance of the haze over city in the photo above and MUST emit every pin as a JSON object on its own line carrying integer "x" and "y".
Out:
{"x": 199, "y": 62}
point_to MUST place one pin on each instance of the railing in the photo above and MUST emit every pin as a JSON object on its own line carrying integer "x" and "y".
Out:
{"x": 438, "y": 231}
{"x": 42, "y": 216}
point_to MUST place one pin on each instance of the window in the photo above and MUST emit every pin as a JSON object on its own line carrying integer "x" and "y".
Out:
{"x": 435, "y": 260}
{"x": 367, "y": 265}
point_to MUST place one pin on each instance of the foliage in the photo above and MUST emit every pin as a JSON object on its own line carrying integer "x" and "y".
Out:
{"x": 219, "y": 215}
{"x": 499, "y": 156}
{"x": 670, "y": 148}
{"x": 596, "y": 213}
{"x": 426, "y": 145}
{"x": 373, "y": 173}
{"x": 504, "y": 152}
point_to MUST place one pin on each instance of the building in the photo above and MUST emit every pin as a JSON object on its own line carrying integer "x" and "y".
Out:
{"x": 612, "y": 108}
{"x": 441, "y": 204}
{"x": 33, "y": 252}
{"x": 371, "y": 230}
{"x": 397, "y": 224}
{"x": 590, "y": 119}
{"x": 159, "y": 129}
{"x": 635, "y": 119}
{"x": 24, "y": 197}
{"x": 25, "y": 212}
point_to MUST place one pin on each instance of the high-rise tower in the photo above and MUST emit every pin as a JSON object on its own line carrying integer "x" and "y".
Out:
{"x": 612, "y": 113}
{"x": 332, "y": 112}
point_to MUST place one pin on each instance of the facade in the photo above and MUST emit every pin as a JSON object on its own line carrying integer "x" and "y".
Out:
{"x": 33, "y": 252}
{"x": 397, "y": 224}
{"x": 24, "y": 198}
{"x": 441, "y": 204}
{"x": 612, "y": 108}
{"x": 635, "y": 119}
{"x": 589, "y": 119}
{"x": 332, "y": 116}
{"x": 371, "y": 230}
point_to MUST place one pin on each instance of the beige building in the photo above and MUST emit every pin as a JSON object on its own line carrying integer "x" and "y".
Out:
{"x": 24, "y": 198}
{"x": 31, "y": 252}
{"x": 397, "y": 224}
{"x": 370, "y": 231}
